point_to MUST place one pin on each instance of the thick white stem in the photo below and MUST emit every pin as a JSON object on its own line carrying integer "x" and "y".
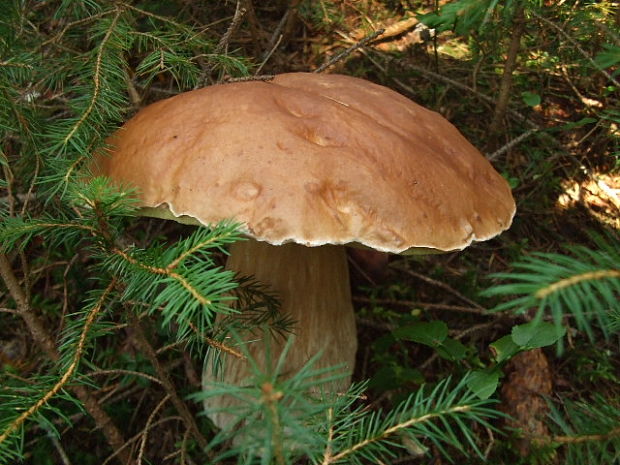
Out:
{"x": 312, "y": 284}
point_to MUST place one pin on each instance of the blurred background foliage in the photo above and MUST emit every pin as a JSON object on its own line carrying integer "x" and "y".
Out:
{"x": 520, "y": 333}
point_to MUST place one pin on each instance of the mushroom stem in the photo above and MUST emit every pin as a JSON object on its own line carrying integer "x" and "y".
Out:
{"x": 312, "y": 284}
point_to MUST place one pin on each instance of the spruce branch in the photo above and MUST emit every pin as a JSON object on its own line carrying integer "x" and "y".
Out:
{"x": 445, "y": 287}
{"x": 255, "y": 306}
{"x": 574, "y": 280}
{"x": 586, "y": 431}
{"x": 16, "y": 229}
{"x": 136, "y": 438}
{"x": 328, "y": 453}
{"x": 440, "y": 416}
{"x": 96, "y": 77}
{"x": 273, "y": 412}
{"x": 240, "y": 12}
{"x": 218, "y": 345}
{"x": 384, "y": 435}
{"x": 576, "y": 439}
{"x": 40, "y": 335}
{"x": 79, "y": 22}
{"x": 152, "y": 15}
{"x": 17, "y": 233}
{"x": 180, "y": 287}
{"x": 30, "y": 193}
{"x": 262, "y": 77}
{"x": 118, "y": 371}
{"x": 36, "y": 327}
{"x": 8, "y": 63}
{"x": 511, "y": 144}
{"x": 584, "y": 283}
{"x": 68, "y": 374}
{"x": 72, "y": 169}
{"x": 426, "y": 305}
{"x": 193, "y": 249}
{"x": 222, "y": 45}
{"x": 203, "y": 300}
{"x": 270, "y": 398}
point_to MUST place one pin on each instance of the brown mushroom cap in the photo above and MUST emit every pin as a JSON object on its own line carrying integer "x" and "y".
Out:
{"x": 313, "y": 159}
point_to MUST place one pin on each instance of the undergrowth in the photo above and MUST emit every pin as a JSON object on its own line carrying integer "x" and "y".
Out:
{"x": 106, "y": 318}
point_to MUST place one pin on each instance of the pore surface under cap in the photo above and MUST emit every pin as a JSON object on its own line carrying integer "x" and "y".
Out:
{"x": 312, "y": 159}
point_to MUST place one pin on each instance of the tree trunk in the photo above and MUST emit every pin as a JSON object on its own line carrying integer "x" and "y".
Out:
{"x": 518, "y": 28}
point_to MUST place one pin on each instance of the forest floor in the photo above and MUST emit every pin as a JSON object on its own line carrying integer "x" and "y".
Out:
{"x": 557, "y": 143}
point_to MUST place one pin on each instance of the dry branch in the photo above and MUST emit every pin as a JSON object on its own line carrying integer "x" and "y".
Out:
{"x": 45, "y": 341}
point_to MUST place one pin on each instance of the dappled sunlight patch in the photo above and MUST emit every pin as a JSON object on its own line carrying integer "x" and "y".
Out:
{"x": 599, "y": 194}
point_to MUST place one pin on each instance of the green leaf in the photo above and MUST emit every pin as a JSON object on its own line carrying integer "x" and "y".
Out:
{"x": 483, "y": 383}
{"x": 451, "y": 349}
{"x": 609, "y": 57}
{"x": 394, "y": 377}
{"x": 432, "y": 334}
{"x": 530, "y": 98}
{"x": 537, "y": 334}
{"x": 463, "y": 16}
{"x": 504, "y": 348}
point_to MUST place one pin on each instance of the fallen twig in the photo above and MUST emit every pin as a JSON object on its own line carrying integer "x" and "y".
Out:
{"x": 222, "y": 45}
{"x": 146, "y": 348}
{"x": 345, "y": 53}
{"x": 511, "y": 144}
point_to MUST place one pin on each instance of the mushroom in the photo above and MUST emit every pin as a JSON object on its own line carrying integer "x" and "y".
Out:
{"x": 308, "y": 163}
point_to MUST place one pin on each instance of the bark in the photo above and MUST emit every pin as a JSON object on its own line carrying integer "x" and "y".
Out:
{"x": 503, "y": 99}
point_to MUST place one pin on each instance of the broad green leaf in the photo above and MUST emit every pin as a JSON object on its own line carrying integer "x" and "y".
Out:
{"x": 451, "y": 349}
{"x": 504, "y": 348}
{"x": 483, "y": 383}
{"x": 537, "y": 334}
{"x": 431, "y": 334}
{"x": 385, "y": 378}
{"x": 531, "y": 99}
